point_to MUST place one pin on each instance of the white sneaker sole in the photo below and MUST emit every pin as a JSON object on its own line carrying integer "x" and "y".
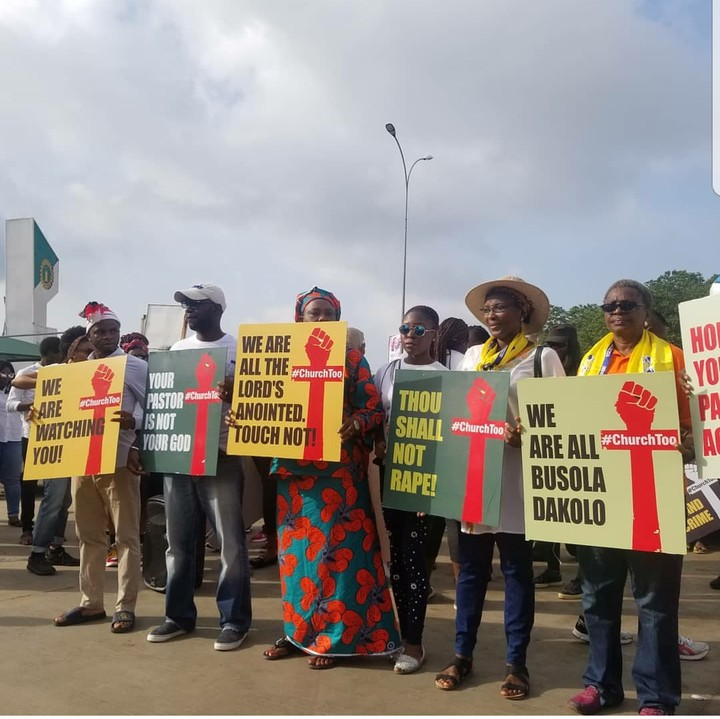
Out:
{"x": 157, "y": 638}
{"x": 694, "y": 657}
{"x": 229, "y": 646}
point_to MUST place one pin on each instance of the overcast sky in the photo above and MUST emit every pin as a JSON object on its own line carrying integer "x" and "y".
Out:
{"x": 161, "y": 143}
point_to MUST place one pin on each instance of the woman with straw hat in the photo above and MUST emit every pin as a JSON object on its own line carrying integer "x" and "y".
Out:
{"x": 511, "y": 309}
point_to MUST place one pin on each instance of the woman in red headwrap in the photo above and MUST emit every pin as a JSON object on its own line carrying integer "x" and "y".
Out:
{"x": 336, "y": 599}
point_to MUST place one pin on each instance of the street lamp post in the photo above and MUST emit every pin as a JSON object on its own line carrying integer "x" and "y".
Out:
{"x": 391, "y": 129}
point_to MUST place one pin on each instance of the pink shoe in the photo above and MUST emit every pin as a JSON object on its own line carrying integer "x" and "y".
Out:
{"x": 653, "y": 711}
{"x": 590, "y": 701}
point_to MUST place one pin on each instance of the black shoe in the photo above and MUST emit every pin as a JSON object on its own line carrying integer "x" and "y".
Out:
{"x": 14, "y": 521}
{"x": 548, "y": 579}
{"x": 572, "y": 590}
{"x": 715, "y": 583}
{"x": 38, "y": 564}
{"x": 60, "y": 558}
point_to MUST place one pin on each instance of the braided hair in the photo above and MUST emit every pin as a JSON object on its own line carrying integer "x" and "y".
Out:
{"x": 452, "y": 335}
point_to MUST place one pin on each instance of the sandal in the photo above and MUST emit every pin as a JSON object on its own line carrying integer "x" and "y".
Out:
{"x": 76, "y": 616}
{"x": 282, "y": 648}
{"x": 322, "y": 662}
{"x": 463, "y": 665}
{"x": 517, "y": 682}
{"x": 122, "y": 622}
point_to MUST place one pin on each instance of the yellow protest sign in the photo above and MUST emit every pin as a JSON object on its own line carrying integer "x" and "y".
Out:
{"x": 288, "y": 391}
{"x": 600, "y": 461}
{"x": 700, "y": 326}
{"x": 72, "y": 434}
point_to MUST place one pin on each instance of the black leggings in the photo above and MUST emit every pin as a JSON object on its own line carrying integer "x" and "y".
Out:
{"x": 408, "y": 569}
{"x": 27, "y": 496}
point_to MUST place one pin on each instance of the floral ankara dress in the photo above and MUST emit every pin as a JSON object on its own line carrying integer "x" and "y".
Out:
{"x": 336, "y": 599}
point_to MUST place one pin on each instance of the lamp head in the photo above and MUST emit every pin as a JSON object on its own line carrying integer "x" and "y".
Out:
{"x": 390, "y": 128}
{"x": 428, "y": 157}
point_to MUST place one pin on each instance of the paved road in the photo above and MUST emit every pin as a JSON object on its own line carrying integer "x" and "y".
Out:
{"x": 88, "y": 670}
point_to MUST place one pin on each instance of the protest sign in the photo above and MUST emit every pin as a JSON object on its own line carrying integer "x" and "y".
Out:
{"x": 700, "y": 328}
{"x": 702, "y": 497}
{"x": 72, "y": 433}
{"x": 446, "y": 443}
{"x": 181, "y": 425}
{"x": 288, "y": 392}
{"x": 600, "y": 461}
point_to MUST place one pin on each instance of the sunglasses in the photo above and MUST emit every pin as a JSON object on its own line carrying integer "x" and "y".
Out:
{"x": 193, "y": 304}
{"x": 416, "y": 330}
{"x": 622, "y": 305}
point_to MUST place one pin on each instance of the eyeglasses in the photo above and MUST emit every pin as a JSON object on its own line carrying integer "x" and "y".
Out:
{"x": 417, "y": 330}
{"x": 499, "y": 309}
{"x": 622, "y": 305}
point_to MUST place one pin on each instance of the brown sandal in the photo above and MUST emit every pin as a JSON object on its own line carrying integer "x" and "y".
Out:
{"x": 327, "y": 662}
{"x": 463, "y": 665}
{"x": 282, "y": 648}
{"x": 517, "y": 682}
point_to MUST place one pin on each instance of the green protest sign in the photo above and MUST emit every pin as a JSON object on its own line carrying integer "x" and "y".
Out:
{"x": 181, "y": 426}
{"x": 446, "y": 444}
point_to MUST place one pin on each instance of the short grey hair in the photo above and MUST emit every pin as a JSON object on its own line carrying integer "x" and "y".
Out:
{"x": 639, "y": 287}
{"x": 355, "y": 338}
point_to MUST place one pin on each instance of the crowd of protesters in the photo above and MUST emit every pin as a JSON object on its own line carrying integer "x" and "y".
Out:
{"x": 348, "y": 588}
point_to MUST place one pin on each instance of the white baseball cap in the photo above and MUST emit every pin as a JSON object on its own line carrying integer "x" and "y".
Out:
{"x": 202, "y": 292}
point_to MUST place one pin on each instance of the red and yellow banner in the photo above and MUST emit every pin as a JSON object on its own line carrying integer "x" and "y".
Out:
{"x": 288, "y": 391}
{"x": 72, "y": 433}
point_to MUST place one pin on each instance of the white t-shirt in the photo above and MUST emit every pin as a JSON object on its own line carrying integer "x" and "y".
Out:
{"x": 385, "y": 379}
{"x": 512, "y": 519}
{"x": 22, "y": 396}
{"x": 193, "y": 343}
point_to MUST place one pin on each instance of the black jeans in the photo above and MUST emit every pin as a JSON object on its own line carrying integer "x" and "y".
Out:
{"x": 27, "y": 496}
{"x": 408, "y": 569}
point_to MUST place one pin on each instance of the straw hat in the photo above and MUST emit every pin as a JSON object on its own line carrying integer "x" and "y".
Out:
{"x": 475, "y": 300}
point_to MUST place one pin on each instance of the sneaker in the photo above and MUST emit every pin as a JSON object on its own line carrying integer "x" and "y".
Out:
{"x": 211, "y": 541}
{"x": 112, "y": 557}
{"x": 572, "y": 590}
{"x": 715, "y": 583}
{"x": 60, "y": 558}
{"x": 26, "y": 539}
{"x": 548, "y": 578}
{"x": 38, "y": 564}
{"x": 690, "y": 650}
{"x": 588, "y": 701}
{"x": 165, "y": 632}
{"x": 580, "y": 632}
{"x": 655, "y": 711}
{"x": 229, "y": 639}
{"x": 259, "y": 538}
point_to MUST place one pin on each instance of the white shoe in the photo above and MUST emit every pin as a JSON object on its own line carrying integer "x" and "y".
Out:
{"x": 690, "y": 650}
{"x": 405, "y": 664}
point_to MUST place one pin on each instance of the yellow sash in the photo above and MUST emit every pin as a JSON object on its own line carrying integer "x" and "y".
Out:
{"x": 651, "y": 354}
{"x": 492, "y": 357}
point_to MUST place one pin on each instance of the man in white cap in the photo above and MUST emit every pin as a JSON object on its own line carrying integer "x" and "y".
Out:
{"x": 220, "y": 497}
{"x": 118, "y": 493}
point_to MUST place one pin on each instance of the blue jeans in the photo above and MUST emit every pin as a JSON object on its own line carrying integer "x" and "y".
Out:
{"x": 10, "y": 471}
{"x": 221, "y": 499}
{"x": 53, "y": 513}
{"x": 476, "y": 552}
{"x": 655, "y": 580}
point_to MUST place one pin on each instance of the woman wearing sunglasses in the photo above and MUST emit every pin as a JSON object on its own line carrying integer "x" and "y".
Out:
{"x": 511, "y": 309}
{"x": 630, "y": 348}
{"x": 409, "y": 530}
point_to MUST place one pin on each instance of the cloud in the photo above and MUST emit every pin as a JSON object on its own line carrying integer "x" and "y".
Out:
{"x": 169, "y": 142}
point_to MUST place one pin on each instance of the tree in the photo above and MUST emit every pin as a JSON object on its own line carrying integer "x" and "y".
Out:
{"x": 589, "y": 322}
{"x": 670, "y": 289}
